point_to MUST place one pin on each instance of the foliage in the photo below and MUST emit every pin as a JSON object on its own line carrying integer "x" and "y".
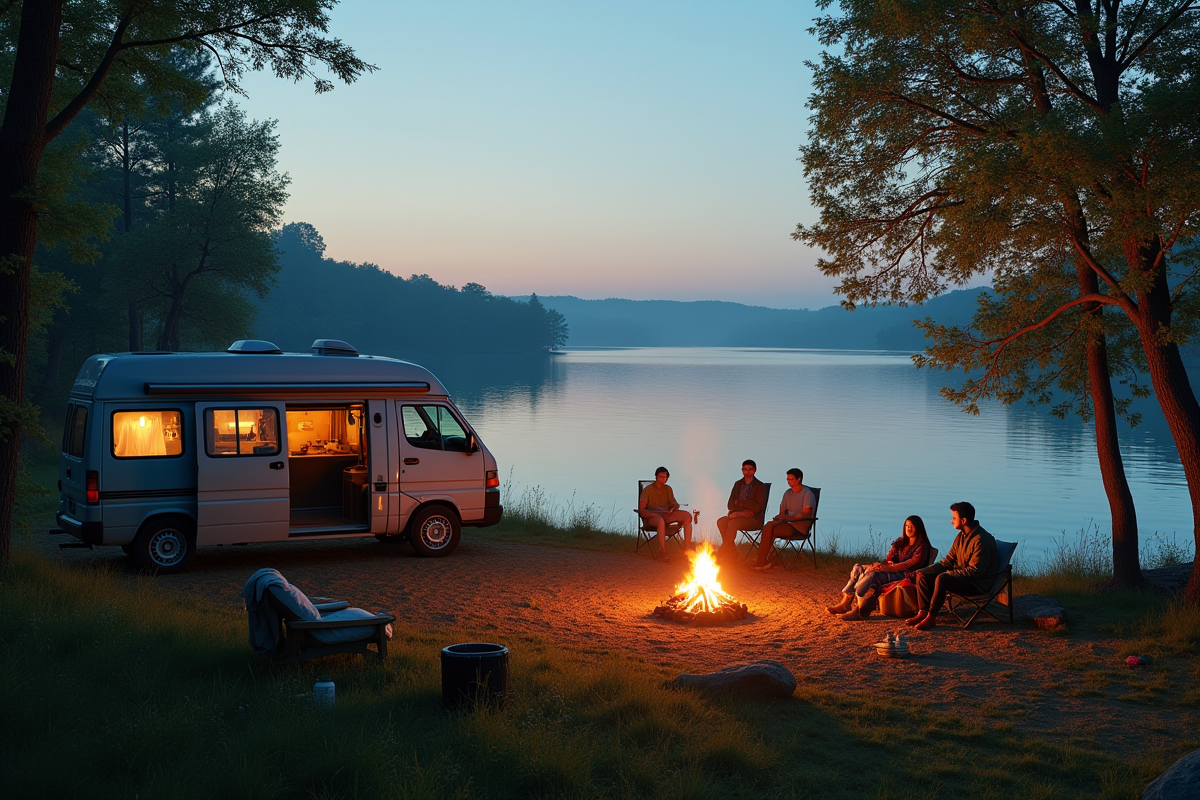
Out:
{"x": 381, "y": 313}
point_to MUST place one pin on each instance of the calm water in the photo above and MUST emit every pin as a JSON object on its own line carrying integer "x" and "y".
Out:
{"x": 868, "y": 428}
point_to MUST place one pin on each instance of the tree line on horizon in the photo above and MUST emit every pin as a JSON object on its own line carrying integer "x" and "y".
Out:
{"x": 318, "y": 297}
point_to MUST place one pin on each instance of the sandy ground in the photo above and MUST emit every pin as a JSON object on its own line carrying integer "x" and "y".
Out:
{"x": 580, "y": 597}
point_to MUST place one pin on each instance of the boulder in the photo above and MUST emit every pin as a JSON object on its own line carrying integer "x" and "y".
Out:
{"x": 1045, "y": 612}
{"x": 1170, "y": 579}
{"x": 1180, "y": 782}
{"x": 755, "y": 678}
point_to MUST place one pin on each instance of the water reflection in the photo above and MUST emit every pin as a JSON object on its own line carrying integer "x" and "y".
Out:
{"x": 867, "y": 427}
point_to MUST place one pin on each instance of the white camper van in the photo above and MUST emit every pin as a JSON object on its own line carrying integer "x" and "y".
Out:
{"x": 164, "y": 452}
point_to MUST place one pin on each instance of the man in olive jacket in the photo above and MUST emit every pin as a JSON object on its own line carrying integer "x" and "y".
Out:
{"x": 969, "y": 567}
{"x": 747, "y": 507}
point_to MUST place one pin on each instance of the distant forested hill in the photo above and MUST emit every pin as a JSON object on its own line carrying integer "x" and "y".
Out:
{"x": 380, "y": 313}
{"x": 667, "y": 323}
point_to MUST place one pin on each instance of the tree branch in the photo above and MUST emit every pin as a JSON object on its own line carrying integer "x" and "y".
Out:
{"x": 56, "y": 126}
{"x": 1179, "y": 11}
{"x": 938, "y": 113}
{"x": 1083, "y": 96}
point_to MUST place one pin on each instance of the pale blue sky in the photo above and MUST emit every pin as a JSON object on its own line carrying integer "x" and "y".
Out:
{"x": 617, "y": 149}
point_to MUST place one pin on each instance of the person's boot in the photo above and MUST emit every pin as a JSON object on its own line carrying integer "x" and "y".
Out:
{"x": 866, "y": 604}
{"x": 844, "y": 606}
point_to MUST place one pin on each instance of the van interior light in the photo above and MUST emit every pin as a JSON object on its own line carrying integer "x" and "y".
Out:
{"x": 142, "y": 421}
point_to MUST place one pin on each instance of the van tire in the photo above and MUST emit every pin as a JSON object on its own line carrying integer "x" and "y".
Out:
{"x": 165, "y": 546}
{"x": 434, "y": 531}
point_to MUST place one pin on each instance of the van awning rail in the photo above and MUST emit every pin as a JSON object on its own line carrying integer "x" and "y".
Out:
{"x": 244, "y": 389}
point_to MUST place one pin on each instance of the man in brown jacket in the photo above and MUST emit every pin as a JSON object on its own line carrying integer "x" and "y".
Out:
{"x": 747, "y": 507}
{"x": 968, "y": 568}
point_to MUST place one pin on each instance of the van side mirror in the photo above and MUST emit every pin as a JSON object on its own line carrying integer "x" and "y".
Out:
{"x": 472, "y": 444}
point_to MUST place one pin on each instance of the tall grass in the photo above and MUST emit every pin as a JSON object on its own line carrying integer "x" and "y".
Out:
{"x": 112, "y": 689}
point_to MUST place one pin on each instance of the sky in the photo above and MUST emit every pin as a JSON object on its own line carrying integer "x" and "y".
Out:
{"x": 645, "y": 150}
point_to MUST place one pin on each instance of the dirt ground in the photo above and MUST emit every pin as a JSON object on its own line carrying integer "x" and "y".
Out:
{"x": 1053, "y": 684}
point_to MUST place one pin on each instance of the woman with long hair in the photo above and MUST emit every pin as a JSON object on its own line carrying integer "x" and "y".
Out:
{"x": 907, "y": 554}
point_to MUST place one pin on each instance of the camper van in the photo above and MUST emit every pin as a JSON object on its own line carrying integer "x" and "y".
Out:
{"x": 166, "y": 452}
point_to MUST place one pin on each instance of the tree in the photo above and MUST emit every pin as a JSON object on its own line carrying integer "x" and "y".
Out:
{"x": 223, "y": 198}
{"x": 1041, "y": 141}
{"x": 67, "y": 55}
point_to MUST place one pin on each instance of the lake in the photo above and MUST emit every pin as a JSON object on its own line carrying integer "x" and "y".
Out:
{"x": 867, "y": 427}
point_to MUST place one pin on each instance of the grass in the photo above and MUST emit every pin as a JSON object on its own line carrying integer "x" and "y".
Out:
{"x": 113, "y": 689}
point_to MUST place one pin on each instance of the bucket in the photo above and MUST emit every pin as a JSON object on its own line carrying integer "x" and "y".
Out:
{"x": 474, "y": 673}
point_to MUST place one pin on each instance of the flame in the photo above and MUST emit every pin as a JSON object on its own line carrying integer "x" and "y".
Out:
{"x": 701, "y": 591}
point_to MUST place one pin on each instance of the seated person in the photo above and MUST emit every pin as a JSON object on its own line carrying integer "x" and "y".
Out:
{"x": 657, "y": 507}
{"x": 793, "y": 521}
{"x": 906, "y": 554}
{"x": 968, "y": 568}
{"x": 747, "y": 505}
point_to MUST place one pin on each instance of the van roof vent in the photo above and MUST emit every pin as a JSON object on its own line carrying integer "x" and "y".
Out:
{"x": 258, "y": 346}
{"x": 333, "y": 347}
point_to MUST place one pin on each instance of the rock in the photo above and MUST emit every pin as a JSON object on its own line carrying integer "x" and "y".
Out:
{"x": 1180, "y": 782}
{"x": 1045, "y": 612}
{"x": 1170, "y": 579}
{"x": 756, "y": 678}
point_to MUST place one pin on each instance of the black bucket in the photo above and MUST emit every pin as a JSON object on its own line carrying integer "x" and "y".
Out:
{"x": 474, "y": 673}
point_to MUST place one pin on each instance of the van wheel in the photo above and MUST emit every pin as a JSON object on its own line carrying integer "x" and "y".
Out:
{"x": 434, "y": 531}
{"x": 165, "y": 547}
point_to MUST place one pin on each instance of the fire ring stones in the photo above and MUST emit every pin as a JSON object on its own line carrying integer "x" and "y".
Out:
{"x": 754, "y": 678}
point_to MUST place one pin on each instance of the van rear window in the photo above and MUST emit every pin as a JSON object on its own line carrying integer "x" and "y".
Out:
{"x": 75, "y": 433}
{"x": 147, "y": 434}
{"x": 241, "y": 432}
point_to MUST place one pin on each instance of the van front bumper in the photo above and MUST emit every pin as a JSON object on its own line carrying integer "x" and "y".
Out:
{"x": 90, "y": 532}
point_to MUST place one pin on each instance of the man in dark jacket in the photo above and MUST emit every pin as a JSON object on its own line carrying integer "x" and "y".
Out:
{"x": 968, "y": 568}
{"x": 747, "y": 506}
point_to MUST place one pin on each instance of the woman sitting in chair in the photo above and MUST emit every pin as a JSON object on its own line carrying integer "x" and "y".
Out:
{"x": 908, "y": 553}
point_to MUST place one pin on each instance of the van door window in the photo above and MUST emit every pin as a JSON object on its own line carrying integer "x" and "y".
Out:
{"x": 147, "y": 434}
{"x": 241, "y": 432}
{"x": 74, "y": 437}
{"x": 433, "y": 428}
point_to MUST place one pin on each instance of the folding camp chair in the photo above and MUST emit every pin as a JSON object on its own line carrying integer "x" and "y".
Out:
{"x": 752, "y": 537}
{"x": 794, "y": 543}
{"x": 1000, "y": 591}
{"x": 297, "y": 643}
{"x": 647, "y": 533}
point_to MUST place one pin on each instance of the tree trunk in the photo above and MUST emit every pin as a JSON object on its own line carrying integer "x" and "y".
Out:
{"x": 1127, "y": 570}
{"x": 169, "y": 340}
{"x": 55, "y": 342}
{"x": 22, "y": 140}
{"x": 135, "y": 329}
{"x": 1169, "y": 378}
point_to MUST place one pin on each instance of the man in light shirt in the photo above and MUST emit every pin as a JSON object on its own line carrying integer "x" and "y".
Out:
{"x": 794, "y": 520}
{"x": 657, "y": 506}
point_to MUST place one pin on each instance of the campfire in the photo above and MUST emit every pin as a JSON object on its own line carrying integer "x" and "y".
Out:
{"x": 700, "y": 598}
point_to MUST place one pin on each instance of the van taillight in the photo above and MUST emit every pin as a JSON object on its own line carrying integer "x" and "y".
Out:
{"x": 93, "y": 487}
{"x": 493, "y": 479}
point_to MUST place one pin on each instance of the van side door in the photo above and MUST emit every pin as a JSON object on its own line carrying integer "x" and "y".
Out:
{"x": 242, "y": 492}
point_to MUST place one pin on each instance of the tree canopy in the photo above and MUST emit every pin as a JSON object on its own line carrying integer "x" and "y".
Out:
{"x": 1049, "y": 145}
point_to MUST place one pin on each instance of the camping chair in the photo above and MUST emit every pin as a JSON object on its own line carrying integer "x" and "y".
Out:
{"x": 899, "y": 599}
{"x": 647, "y": 533}
{"x": 298, "y": 640}
{"x": 999, "y": 592}
{"x": 753, "y": 537}
{"x": 794, "y": 544}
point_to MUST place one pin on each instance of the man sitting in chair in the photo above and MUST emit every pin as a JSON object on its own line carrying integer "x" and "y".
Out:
{"x": 747, "y": 505}
{"x": 966, "y": 569}
{"x": 657, "y": 507}
{"x": 794, "y": 519}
